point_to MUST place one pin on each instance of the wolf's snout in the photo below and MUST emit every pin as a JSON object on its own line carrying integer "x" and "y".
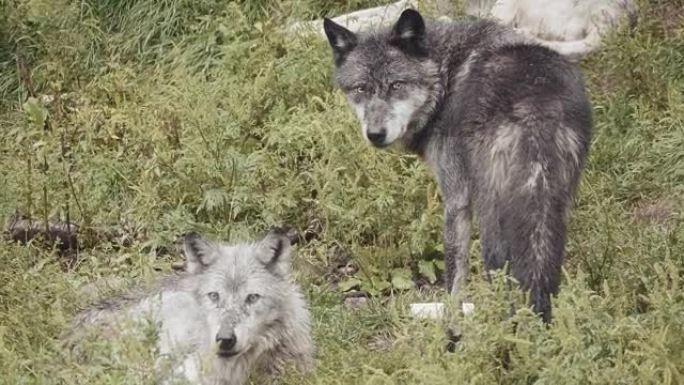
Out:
{"x": 226, "y": 344}
{"x": 377, "y": 138}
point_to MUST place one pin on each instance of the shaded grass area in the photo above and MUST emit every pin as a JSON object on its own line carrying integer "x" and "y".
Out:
{"x": 180, "y": 115}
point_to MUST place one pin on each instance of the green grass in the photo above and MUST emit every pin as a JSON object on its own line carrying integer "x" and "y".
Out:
{"x": 184, "y": 115}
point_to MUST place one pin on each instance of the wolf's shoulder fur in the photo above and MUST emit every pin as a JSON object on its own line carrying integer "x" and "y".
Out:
{"x": 486, "y": 69}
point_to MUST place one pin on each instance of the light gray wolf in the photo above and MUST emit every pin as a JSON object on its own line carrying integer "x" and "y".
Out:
{"x": 234, "y": 310}
{"x": 503, "y": 124}
{"x": 572, "y": 27}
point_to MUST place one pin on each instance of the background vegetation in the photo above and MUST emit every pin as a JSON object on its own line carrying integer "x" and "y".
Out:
{"x": 141, "y": 120}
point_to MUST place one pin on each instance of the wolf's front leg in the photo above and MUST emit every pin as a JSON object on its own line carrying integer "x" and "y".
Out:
{"x": 457, "y": 217}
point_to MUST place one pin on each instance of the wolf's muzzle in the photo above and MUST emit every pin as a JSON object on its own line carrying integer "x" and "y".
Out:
{"x": 226, "y": 345}
{"x": 377, "y": 138}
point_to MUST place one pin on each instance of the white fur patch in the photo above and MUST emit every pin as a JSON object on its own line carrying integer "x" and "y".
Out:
{"x": 539, "y": 238}
{"x": 532, "y": 180}
{"x": 407, "y": 34}
{"x": 432, "y": 160}
{"x": 568, "y": 142}
{"x": 359, "y": 111}
{"x": 399, "y": 118}
{"x": 464, "y": 70}
{"x": 536, "y": 176}
{"x": 190, "y": 368}
{"x": 401, "y": 114}
{"x": 502, "y": 152}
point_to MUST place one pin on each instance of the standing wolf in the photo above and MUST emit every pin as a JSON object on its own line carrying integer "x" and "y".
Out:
{"x": 234, "y": 310}
{"x": 503, "y": 124}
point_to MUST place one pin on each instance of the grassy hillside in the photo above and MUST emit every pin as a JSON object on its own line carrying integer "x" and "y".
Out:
{"x": 139, "y": 121}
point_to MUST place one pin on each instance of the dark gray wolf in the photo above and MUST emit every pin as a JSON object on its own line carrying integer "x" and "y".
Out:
{"x": 503, "y": 124}
{"x": 234, "y": 310}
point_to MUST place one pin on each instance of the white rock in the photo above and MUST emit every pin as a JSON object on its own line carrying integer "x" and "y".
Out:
{"x": 435, "y": 310}
{"x": 468, "y": 308}
{"x": 431, "y": 310}
{"x": 359, "y": 20}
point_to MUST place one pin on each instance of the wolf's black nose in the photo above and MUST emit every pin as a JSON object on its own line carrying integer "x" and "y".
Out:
{"x": 227, "y": 343}
{"x": 377, "y": 138}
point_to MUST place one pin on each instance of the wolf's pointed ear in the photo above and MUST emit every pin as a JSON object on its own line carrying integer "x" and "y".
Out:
{"x": 274, "y": 252}
{"x": 408, "y": 33}
{"x": 341, "y": 39}
{"x": 199, "y": 253}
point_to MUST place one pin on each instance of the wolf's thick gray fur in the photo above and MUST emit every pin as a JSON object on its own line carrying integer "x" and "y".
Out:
{"x": 234, "y": 310}
{"x": 504, "y": 125}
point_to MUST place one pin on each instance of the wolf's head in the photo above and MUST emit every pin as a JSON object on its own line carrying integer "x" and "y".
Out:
{"x": 244, "y": 288}
{"x": 388, "y": 76}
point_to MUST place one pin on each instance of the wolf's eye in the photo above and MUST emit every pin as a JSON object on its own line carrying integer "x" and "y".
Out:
{"x": 397, "y": 86}
{"x": 213, "y": 296}
{"x": 360, "y": 89}
{"x": 252, "y": 298}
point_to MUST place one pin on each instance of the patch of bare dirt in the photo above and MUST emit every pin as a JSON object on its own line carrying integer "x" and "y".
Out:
{"x": 670, "y": 14}
{"x": 654, "y": 213}
{"x": 381, "y": 343}
{"x": 356, "y": 300}
{"x": 340, "y": 266}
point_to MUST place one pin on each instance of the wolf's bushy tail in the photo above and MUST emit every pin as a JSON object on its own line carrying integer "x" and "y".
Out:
{"x": 523, "y": 221}
{"x": 535, "y": 231}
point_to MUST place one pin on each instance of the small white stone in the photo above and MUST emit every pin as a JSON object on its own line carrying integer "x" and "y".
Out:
{"x": 468, "y": 308}
{"x": 432, "y": 310}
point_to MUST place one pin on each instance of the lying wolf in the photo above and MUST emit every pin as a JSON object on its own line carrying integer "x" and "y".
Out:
{"x": 503, "y": 124}
{"x": 233, "y": 310}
